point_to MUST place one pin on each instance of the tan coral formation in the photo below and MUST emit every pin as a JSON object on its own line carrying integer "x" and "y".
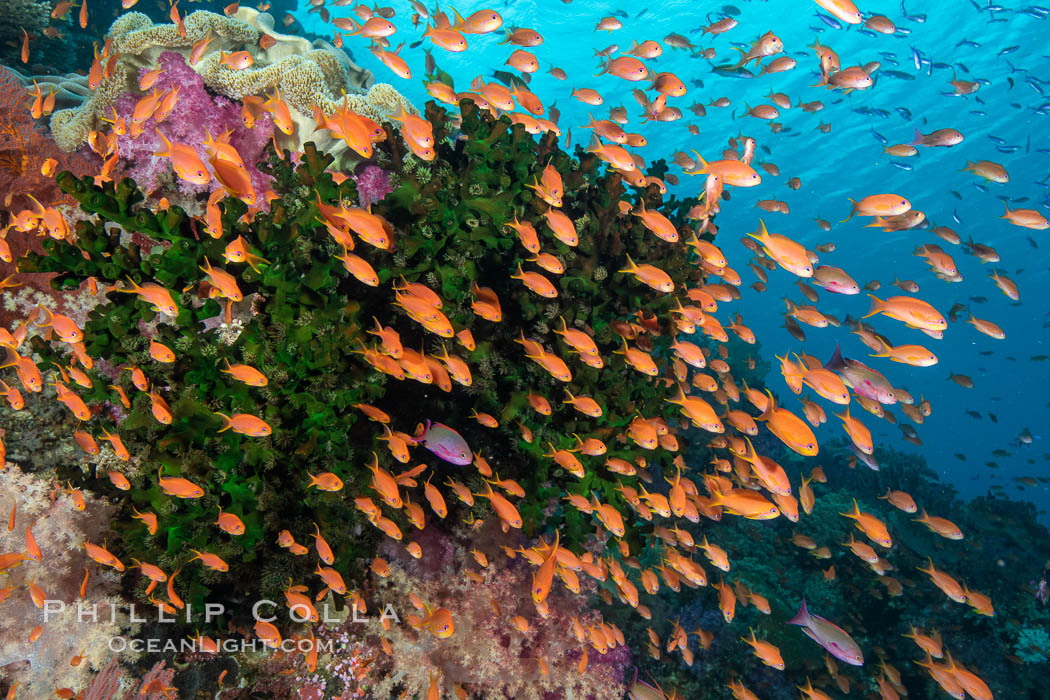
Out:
{"x": 306, "y": 73}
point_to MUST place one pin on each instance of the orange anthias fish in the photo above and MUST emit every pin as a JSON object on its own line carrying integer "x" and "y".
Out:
{"x": 789, "y": 254}
{"x": 179, "y": 487}
{"x": 244, "y": 373}
{"x": 650, "y": 275}
{"x": 245, "y": 424}
{"x": 916, "y": 313}
{"x": 541, "y": 580}
{"x": 238, "y": 60}
{"x": 871, "y": 526}
{"x": 766, "y": 652}
{"x": 791, "y": 429}
{"x": 184, "y": 161}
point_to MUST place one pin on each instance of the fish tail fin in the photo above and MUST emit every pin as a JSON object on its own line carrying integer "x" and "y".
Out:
{"x": 917, "y": 141}
{"x": 876, "y": 306}
{"x": 885, "y": 351}
{"x": 167, "y": 145}
{"x": 631, "y": 267}
{"x": 703, "y": 164}
{"x": 770, "y": 407}
{"x": 459, "y": 19}
{"x": 227, "y": 422}
{"x": 852, "y": 212}
{"x": 835, "y": 362}
{"x": 803, "y": 617}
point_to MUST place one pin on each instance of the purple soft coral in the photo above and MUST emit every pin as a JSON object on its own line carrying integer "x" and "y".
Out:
{"x": 197, "y": 114}
{"x": 373, "y": 184}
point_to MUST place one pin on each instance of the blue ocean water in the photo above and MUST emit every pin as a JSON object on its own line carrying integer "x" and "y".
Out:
{"x": 1005, "y": 121}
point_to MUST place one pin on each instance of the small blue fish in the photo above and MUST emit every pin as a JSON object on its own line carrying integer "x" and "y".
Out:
{"x": 879, "y": 137}
{"x": 916, "y": 57}
{"x": 996, "y": 139}
{"x": 830, "y": 21}
{"x": 912, "y": 18}
{"x": 902, "y": 166}
{"x": 899, "y": 75}
{"x": 904, "y": 112}
{"x": 1008, "y": 50}
{"x": 967, "y": 42}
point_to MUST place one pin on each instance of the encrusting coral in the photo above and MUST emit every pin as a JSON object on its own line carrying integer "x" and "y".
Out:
{"x": 305, "y": 73}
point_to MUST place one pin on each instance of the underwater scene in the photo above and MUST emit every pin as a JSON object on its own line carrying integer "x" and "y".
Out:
{"x": 549, "y": 349}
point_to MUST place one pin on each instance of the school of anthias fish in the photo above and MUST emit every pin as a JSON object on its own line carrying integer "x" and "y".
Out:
{"x": 743, "y": 483}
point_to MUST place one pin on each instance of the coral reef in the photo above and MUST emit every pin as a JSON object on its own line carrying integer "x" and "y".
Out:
{"x": 319, "y": 325}
{"x": 301, "y": 321}
{"x": 38, "y": 652}
{"x": 197, "y": 118}
{"x": 306, "y": 74}
{"x": 112, "y": 682}
{"x": 373, "y": 184}
{"x": 23, "y": 150}
{"x": 32, "y": 15}
{"x": 71, "y": 89}
{"x": 489, "y": 655}
{"x": 1033, "y": 645}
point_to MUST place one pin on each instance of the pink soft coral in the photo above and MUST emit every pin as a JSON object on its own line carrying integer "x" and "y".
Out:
{"x": 197, "y": 114}
{"x": 373, "y": 184}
